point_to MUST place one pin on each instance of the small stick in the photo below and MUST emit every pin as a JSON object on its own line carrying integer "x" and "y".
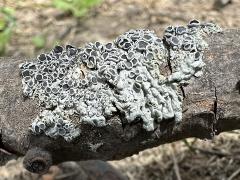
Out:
{"x": 176, "y": 168}
{"x": 237, "y": 172}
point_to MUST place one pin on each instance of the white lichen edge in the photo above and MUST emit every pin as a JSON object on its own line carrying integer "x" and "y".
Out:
{"x": 93, "y": 82}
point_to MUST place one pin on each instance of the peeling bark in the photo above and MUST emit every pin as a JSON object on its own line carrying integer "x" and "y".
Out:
{"x": 211, "y": 106}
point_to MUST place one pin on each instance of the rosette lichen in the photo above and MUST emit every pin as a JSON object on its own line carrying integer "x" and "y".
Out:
{"x": 94, "y": 82}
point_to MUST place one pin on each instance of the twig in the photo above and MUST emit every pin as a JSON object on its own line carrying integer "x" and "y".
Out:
{"x": 234, "y": 132}
{"x": 176, "y": 168}
{"x": 211, "y": 152}
{"x": 237, "y": 172}
{"x": 5, "y": 152}
{"x": 190, "y": 147}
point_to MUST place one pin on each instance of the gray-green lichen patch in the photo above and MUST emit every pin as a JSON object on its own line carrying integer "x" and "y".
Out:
{"x": 55, "y": 123}
{"x": 186, "y": 49}
{"x": 95, "y": 81}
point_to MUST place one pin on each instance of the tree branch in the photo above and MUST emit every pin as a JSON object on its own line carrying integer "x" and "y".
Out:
{"x": 211, "y": 106}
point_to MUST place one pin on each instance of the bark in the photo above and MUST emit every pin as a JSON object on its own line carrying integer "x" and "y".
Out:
{"x": 211, "y": 106}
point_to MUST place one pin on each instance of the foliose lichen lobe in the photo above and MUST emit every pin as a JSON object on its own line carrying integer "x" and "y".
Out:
{"x": 98, "y": 80}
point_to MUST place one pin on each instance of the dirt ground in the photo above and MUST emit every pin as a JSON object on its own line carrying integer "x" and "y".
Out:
{"x": 218, "y": 159}
{"x": 111, "y": 18}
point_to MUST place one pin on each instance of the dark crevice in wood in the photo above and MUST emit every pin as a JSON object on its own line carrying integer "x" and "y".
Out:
{"x": 169, "y": 57}
{"x": 238, "y": 86}
{"x": 215, "y": 102}
{"x": 215, "y": 110}
{"x": 183, "y": 92}
{"x": 1, "y": 143}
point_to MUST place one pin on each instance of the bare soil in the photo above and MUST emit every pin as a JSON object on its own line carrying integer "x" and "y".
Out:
{"x": 104, "y": 23}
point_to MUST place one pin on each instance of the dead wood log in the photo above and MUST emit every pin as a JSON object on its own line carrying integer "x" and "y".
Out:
{"x": 211, "y": 106}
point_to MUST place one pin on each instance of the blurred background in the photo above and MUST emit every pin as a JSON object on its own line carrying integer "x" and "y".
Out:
{"x": 29, "y": 27}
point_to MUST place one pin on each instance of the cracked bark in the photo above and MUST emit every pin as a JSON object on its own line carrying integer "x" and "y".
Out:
{"x": 211, "y": 103}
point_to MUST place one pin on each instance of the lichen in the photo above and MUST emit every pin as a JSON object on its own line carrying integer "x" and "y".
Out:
{"x": 94, "y": 82}
{"x": 186, "y": 49}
